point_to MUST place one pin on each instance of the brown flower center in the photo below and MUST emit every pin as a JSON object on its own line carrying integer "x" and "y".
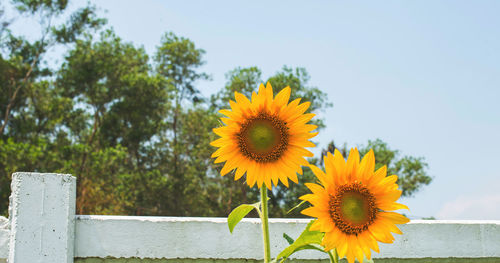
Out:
{"x": 353, "y": 208}
{"x": 263, "y": 138}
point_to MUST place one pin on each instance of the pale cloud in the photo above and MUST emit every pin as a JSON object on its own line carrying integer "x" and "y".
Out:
{"x": 481, "y": 206}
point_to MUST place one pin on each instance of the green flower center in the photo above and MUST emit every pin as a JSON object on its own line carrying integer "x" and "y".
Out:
{"x": 353, "y": 208}
{"x": 263, "y": 138}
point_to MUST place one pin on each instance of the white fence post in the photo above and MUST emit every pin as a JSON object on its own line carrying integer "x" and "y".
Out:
{"x": 42, "y": 218}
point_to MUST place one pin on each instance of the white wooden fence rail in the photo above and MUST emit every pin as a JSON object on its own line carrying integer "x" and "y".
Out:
{"x": 43, "y": 228}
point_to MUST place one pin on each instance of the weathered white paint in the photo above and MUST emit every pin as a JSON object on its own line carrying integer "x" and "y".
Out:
{"x": 42, "y": 229}
{"x": 42, "y": 218}
{"x": 171, "y": 237}
{"x": 4, "y": 237}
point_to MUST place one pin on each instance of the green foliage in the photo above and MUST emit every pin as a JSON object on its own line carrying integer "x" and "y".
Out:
{"x": 298, "y": 79}
{"x": 33, "y": 6}
{"x": 80, "y": 22}
{"x": 411, "y": 171}
{"x": 19, "y": 156}
{"x": 307, "y": 240}
{"x": 177, "y": 59}
{"x": 243, "y": 80}
{"x": 238, "y": 213}
{"x": 134, "y": 129}
{"x": 247, "y": 80}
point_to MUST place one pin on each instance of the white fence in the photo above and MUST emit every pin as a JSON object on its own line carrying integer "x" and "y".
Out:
{"x": 43, "y": 228}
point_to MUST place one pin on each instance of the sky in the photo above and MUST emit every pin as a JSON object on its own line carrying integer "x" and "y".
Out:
{"x": 423, "y": 76}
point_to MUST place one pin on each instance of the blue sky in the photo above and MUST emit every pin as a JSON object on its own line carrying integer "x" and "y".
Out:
{"x": 423, "y": 76}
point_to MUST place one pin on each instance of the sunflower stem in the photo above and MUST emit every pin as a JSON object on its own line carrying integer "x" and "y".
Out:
{"x": 334, "y": 258}
{"x": 265, "y": 224}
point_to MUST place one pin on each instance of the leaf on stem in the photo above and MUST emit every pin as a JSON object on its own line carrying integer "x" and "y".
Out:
{"x": 307, "y": 240}
{"x": 238, "y": 213}
{"x": 295, "y": 207}
{"x": 288, "y": 238}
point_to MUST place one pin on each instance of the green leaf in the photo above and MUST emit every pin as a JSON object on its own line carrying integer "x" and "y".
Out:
{"x": 307, "y": 240}
{"x": 295, "y": 207}
{"x": 288, "y": 238}
{"x": 238, "y": 213}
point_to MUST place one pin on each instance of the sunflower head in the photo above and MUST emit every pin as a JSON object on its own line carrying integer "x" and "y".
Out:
{"x": 353, "y": 204}
{"x": 264, "y": 138}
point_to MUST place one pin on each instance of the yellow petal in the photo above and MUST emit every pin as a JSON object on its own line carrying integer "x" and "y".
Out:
{"x": 316, "y": 189}
{"x": 378, "y": 176}
{"x": 225, "y": 131}
{"x": 239, "y": 173}
{"x": 389, "y": 206}
{"x": 293, "y": 177}
{"x": 356, "y": 249}
{"x": 269, "y": 94}
{"x": 244, "y": 102}
{"x": 364, "y": 245}
{"x": 312, "y": 212}
{"x": 300, "y": 120}
{"x": 339, "y": 166}
{"x": 395, "y": 217}
{"x": 342, "y": 248}
{"x": 367, "y": 166}
{"x": 251, "y": 176}
{"x": 282, "y": 97}
{"x": 268, "y": 182}
{"x": 352, "y": 164}
{"x": 289, "y": 109}
{"x": 302, "y": 143}
{"x": 301, "y": 151}
{"x": 283, "y": 178}
{"x": 377, "y": 230}
{"x": 323, "y": 178}
{"x": 221, "y": 142}
{"x": 349, "y": 256}
{"x": 229, "y": 150}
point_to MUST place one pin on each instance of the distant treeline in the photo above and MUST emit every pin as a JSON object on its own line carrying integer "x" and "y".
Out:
{"x": 134, "y": 128}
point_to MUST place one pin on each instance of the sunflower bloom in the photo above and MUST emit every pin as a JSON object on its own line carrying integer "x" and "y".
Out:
{"x": 352, "y": 204}
{"x": 265, "y": 137}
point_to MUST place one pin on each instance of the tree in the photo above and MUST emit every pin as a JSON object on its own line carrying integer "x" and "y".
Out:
{"x": 112, "y": 81}
{"x": 177, "y": 59}
{"x": 24, "y": 64}
{"x": 243, "y": 80}
{"x": 31, "y": 110}
{"x": 298, "y": 79}
{"x": 135, "y": 129}
{"x": 411, "y": 171}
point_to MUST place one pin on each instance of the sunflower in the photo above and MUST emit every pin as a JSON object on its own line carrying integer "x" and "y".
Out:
{"x": 265, "y": 137}
{"x": 352, "y": 204}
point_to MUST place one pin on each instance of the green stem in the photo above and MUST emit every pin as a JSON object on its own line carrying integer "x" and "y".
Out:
{"x": 335, "y": 257}
{"x": 265, "y": 224}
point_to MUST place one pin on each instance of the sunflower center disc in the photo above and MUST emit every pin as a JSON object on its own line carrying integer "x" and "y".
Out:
{"x": 263, "y": 138}
{"x": 352, "y": 208}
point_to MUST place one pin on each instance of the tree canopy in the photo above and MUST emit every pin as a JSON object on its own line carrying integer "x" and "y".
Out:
{"x": 133, "y": 127}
